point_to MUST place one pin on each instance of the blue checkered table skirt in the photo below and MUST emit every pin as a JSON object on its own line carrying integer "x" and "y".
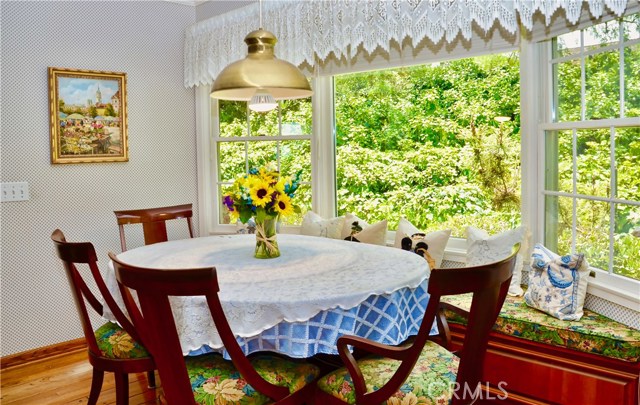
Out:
{"x": 388, "y": 319}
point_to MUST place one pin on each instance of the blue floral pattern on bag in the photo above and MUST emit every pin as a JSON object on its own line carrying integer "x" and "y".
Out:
{"x": 557, "y": 284}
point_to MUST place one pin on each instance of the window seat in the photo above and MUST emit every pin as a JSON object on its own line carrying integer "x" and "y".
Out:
{"x": 594, "y": 333}
{"x": 538, "y": 359}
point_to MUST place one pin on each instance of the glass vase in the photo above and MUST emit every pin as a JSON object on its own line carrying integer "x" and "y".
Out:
{"x": 266, "y": 240}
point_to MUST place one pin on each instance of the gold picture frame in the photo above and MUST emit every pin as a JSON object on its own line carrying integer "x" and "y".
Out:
{"x": 88, "y": 116}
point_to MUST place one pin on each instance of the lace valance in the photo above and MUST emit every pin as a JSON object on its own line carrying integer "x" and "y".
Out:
{"x": 312, "y": 30}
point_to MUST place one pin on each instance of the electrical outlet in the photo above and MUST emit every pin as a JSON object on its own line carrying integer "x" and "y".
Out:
{"x": 17, "y": 191}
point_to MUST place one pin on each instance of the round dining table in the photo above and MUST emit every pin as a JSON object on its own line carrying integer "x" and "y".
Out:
{"x": 297, "y": 304}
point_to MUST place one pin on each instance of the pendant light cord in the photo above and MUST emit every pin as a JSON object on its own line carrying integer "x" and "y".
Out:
{"x": 260, "y": 4}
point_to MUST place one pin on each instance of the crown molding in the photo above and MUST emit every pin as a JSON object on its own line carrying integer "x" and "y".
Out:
{"x": 192, "y": 3}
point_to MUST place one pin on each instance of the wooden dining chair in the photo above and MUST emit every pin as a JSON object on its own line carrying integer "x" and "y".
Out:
{"x": 111, "y": 347}
{"x": 153, "y": 220}
{"x": 423, "y": 371}
{"x": 208, "y": 378}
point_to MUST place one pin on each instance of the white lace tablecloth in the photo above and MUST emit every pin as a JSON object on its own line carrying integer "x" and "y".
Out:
{"x": 316, "y": 283}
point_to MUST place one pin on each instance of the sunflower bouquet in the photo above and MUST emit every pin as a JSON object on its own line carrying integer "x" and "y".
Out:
{"x": 266, "y": 196}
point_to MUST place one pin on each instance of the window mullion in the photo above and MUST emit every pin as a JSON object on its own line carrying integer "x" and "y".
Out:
{"x": 207, "y": 174}
{"x": 591, "y": 124}
{"x": 591, "y": 52}
{"x": 621, "y": 68}
{"x": 264, "y": 138}
{"x": 248, "y": 121}
{"x": 278, "y": 151}
{"x": 246, "y": 156}
{"x": 614, "y": 194}
{"x": 583, "y": 84}
{"x": 279, "y": 143}
{"x": 531, "y": 95}
{"x": 574, "y": 190}
{"x": 246, "y": 143}
{"x": 323, "y": 150}
{"x": 591, "y": 197}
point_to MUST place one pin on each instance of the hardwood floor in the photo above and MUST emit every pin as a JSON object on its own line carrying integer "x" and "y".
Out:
{"x": 65, "y": 379}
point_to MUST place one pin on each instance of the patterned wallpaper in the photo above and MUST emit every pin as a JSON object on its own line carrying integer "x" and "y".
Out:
{"x": 142, "y": 39}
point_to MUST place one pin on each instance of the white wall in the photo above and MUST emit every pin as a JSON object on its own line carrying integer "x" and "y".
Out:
{"x": 143, "y": 39}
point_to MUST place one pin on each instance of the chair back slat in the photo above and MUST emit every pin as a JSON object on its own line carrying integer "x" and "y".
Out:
{"x": 159, "y": 337}
{"x": 489, "y": 284}
{"x": 153, "y": 222}
{"x": 71, "y": 253}
{"x": 154, "y": 318}
{"x": 154, "y": 232}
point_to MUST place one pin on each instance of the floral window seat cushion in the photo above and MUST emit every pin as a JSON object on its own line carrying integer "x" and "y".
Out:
{"x": 594, "y": 333}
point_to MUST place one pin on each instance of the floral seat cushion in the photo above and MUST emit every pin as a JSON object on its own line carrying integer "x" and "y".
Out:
{"x": 215, "y": 380}
{"x": 431, "y": 380}
{"x": 594, "y": 333}
{"x": 115, "y": 343}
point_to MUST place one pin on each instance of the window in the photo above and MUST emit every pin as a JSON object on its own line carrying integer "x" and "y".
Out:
{"x": 248, "y": 139}
{"x": 447, "y": 132}
{"x": 438, "y": 144}
{"x": 422, "y": 142}
{"x": 592, "y": 149}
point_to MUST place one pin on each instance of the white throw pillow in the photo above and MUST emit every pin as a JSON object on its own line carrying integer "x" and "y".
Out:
{"x": 437, "y": 240}
{"x": 356, "y": 229}
{"x": 314, "y": 225}
{"x": 485, "y": 249}
{"x": 557, "y": 284}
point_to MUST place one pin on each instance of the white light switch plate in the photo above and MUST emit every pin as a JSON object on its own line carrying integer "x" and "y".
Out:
{"x": 17, "y": 191}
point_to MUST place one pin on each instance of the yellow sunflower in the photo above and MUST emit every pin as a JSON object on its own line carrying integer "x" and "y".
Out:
{"x": 260, "y": 193}
{"x": 280, "y": 186}
{"x": 283, "y": 205}
{"x": 233, "y": 216}
{"x": 267, "y": 175}
{"x": 241, "y": 182}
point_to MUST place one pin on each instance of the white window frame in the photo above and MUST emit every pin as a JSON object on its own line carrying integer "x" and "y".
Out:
{"x": 214, "y": 227}
{"x": 536, "y": 68}
{"x": 533, "y": 123}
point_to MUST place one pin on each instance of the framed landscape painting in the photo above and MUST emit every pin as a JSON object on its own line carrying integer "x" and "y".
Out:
{"x": 88, "y": 116}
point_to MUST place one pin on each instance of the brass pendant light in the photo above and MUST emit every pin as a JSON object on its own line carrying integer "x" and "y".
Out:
{"x": 260, "y": 77}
